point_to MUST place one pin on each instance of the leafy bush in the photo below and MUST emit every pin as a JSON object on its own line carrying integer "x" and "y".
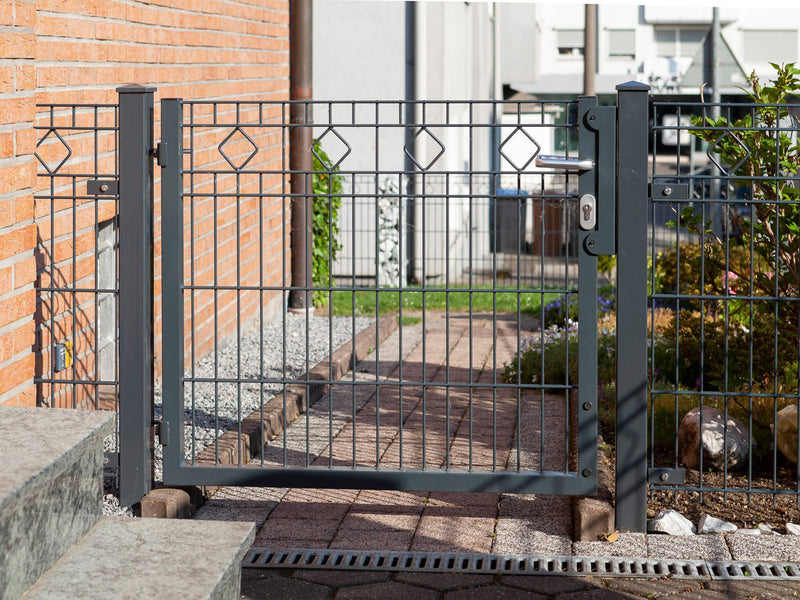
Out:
{"x": 762, "y": 154}
{"x": 327, "y": 184}
{"x": 564, "y": 309}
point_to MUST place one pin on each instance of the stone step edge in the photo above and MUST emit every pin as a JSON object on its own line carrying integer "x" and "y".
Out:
{"x": 181, "y": 502}
{"x": 123, "y": 557}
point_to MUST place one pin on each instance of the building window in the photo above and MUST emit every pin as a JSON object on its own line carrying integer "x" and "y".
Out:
{"x": 762, "y": 45}
{"x": 569, "y": 42}
{"x": 679, "y": 43}
{"x": 622, "y": 43}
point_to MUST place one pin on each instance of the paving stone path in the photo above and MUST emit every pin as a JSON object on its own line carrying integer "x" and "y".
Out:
{"x": 365, "y": 429}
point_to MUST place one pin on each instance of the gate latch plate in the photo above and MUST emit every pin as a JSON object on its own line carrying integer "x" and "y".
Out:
{"x": 666, "y": 476}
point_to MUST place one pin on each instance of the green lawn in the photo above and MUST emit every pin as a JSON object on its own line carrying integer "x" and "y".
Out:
{"x": 483, "y": 301}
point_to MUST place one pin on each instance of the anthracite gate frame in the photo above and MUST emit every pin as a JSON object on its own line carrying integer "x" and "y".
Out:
{"x": 211, "y": 157}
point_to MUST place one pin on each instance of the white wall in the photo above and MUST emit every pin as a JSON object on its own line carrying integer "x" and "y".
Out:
{"x": 556, "y": 73}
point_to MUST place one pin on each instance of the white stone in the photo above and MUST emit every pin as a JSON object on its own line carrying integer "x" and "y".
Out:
{"x": 720, "y": 438}
{"x": 792, "y": 529}
{"x": 709, "y": 524}
{"x": 671, "y": 522}
{"x": 786, "y": 435}
{"x": 750, "y": 531}
{"x": 767, "y": 529}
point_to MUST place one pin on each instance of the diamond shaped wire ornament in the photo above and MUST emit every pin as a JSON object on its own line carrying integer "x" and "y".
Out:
{"x": 334, "y": 165}
{"x": 228, "y": 139}
{"x": 710, "y": 153}
{"x": 520, "y": 130}
{"x": 64, "y": 145}
{"x": 410, "y": 144}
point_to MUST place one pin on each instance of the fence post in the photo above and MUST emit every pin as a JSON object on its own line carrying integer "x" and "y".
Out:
{"x": 135, "y": 292}
{"x": 632, "y": 199}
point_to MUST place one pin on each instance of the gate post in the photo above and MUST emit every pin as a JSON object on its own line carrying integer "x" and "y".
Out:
{"x": 632, "y": 198}
{"x": 135, "y": 292}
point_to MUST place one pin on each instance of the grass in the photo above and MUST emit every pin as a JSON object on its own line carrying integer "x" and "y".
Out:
{"x": 482, "y": 301}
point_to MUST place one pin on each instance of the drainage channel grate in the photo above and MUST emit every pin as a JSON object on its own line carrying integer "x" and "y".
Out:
{"x": 516, "y": 564}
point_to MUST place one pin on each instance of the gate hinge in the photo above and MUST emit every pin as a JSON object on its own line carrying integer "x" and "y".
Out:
{"x": 160, "y": 154}
{"x": 162, "y": 431}
{"x": 666, "y": 476}
{"x": 110, "y": 464}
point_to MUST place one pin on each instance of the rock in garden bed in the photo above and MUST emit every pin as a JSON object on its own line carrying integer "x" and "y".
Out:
{"x": 720, "y": 438}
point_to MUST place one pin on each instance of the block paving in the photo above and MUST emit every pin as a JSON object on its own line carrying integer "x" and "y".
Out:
{"x": 437, "y": 427}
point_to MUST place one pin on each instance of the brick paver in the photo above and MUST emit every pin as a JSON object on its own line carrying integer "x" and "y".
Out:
{"x": 456, "y": 428}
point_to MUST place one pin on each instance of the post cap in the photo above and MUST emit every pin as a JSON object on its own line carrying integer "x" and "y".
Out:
{"x": 633, "y": 86}
{"x": 135, "y": 88}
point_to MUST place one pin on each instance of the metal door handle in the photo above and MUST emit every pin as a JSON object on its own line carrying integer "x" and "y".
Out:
{"x": 568, "y": 163}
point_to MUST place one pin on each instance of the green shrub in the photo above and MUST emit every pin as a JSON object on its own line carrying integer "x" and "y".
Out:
{"x": 327, "y": 184}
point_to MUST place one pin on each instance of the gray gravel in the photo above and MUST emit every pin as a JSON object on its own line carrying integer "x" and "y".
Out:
{"x": 281, "y": 354}
{"x": 275, "y": 355}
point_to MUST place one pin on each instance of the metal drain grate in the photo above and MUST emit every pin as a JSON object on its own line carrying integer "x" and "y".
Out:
{"x": 516, "y": 564}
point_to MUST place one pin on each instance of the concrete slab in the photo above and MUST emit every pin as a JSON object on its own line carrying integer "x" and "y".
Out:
{"x": 520, "y": 536}
{"x": 764, "y": 547}
{"x": 633, "y": 545}
{"x": 50, "y": 487}
{"x": 150, "y": 558}
{"x": 688, "y": 547}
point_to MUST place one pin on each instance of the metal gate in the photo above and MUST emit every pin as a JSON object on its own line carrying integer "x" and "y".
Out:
{"x": 452, "y": 209}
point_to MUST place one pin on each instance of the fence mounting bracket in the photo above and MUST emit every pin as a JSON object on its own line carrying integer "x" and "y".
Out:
{"x": 666, "y": 476}
{"x": 162, "y": 431}
{"x": 102, "y": 187}
{"x": 673, "y": 191}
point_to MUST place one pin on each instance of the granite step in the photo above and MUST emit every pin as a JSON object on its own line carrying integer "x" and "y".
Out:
{"x": 128, "y": 558}
{"x": 50, "y": 488}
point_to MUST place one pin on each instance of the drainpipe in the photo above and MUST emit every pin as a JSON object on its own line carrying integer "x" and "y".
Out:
{"x": 589, "y": 49}
{"x": 300, "y": 158}
{"x": 408, "y": 167}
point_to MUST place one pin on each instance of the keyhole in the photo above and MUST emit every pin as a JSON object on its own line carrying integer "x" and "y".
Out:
{"x": 587, "y": 212}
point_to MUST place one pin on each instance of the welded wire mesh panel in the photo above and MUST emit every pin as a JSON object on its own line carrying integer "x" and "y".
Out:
{"x": 76, "y": 224}
{"x": 724, "y": 303}
{"x": 77, "y": 233}
{"x": 451, "y": 254}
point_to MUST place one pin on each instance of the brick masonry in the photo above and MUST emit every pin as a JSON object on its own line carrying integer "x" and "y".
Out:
{"x": 79, "y": 51}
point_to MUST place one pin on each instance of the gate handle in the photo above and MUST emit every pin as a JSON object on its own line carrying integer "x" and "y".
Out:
{"x": 564, "y": 162}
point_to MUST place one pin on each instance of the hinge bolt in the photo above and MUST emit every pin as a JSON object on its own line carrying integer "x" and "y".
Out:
{"x": 587, "y": 406}
{"x": 667, "y": 191}
{"x": 587, "y": 473}
{"x": 104, "y": 187}
{"x": 664, "y": 477}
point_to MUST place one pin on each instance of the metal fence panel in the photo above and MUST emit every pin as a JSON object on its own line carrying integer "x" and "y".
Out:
{"x": 76, "y": 258}
{"x": 411, "y": 417}
{"x": 723, "y": 299}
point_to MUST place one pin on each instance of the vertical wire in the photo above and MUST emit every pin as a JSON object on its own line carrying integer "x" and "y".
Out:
{"x": 286, "y": 132}
{"x": 192, "y": 282}
{"x": 237, "y": 198}
{"x": 471, "y": 250}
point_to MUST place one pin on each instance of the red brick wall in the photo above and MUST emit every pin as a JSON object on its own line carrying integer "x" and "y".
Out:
{"x": 79, "y": 51}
